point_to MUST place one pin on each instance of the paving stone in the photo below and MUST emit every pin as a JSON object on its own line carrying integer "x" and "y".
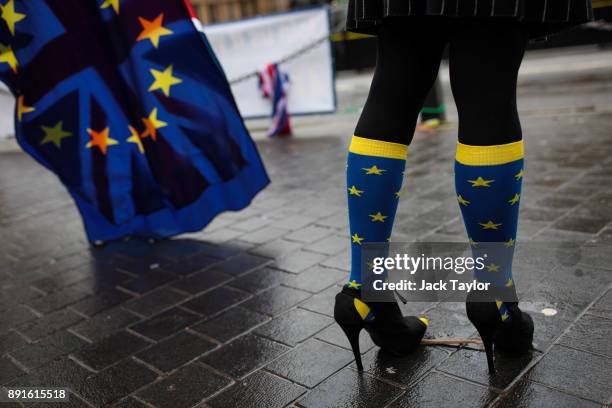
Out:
{"x": 49, "y": 324}
{"x": 298, "y": 261}
{"x": 334, "y": 335}
{"x": 588, "y": 225}
{"x": 440, "y": 391}
{"x": 603, "y": 307}
{"x": 294, "y": 326}
{"x": 74, "y": 401}
{"x": 315, "y": 279}
{"x": 8, "y": 370}
{"x": 472, "y": 365}
{"x": 191, "y": 265}
{"x": 590, "y": 333}
{"x": 113, "y": 383}
{"x": 61, "y": 372}
{"x": 166, "y": 323}
{"x": 276, "y": 249}
{"x": 341, "y": 261}
{"x": 11, "y": 341}
{"x": 239, "y": 358}
{"x": 154, "y": 302}
{"x": 322, "y": 302}
{"x": 348, "y": 388}
{"x": 104, "y": 324}
{"x": 330, "y": 245}
{"x": 60, "y": 299}
{"x": 185, "y": 388}
{"x": 99, "y": 302}
{"x": 241, "y": 264}
{"x": 448, "y": 320}
{"x": 148, "y": 281}
{"x": 259, "y": 390}
{"x": 294, "y": 222}
{"x": 202, "y": 281}
{"x": 175, "y": 351}
{"x": 311, "y": 363}
{"x": 276, "y": 300}
{"x": 109, "y": 350}
{"x": 260, "y": 279}
{"x": 309, "y": 235}
{"x": 230, "y": 324}
{"x": 251, "y": 224}
{"x": 263, "y": 235}
{"x": 49, "y": 348}
{"x": 216, "y": 301}
{"x": 130, "y": 402}
{"x": 529, "y": 394}
{"x": 577, "y": 372}
{"x": 15, "y": 317}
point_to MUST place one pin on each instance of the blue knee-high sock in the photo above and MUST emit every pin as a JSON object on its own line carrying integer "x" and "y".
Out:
{"x": 374, "y": 175}
{"x": 488, "y": 181}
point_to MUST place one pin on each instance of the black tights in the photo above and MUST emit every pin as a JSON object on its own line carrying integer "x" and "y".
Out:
{"x": 485, "y": 56}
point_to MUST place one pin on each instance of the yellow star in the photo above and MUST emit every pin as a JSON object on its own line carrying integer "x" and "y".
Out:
{"x": 357, "y": 239}
{"x": 164, "y": 80}
{"x": 473, "y": 243}
{"x": 54, "y": 134}
{"x": 109, "y": 3}
{"x": 135, "y": 138}
{"x": 353, "y": 191}
{"x": 378, "y": 217}
{"x": 353, "y": 284}
{"x": 514, "y": 199}
{"x": 480, "y": 182}
{"x": 489, "y": 225}
{"x": 504, "y": 316}
{"x": 397, "y": 194}
{"x": 519, "y": 175}
{"x": 153, "y": 30}
{"x": 10, "y": 16}
{"x": 22, "y": 108}
{"x": 509, "y": 243}
{"x": 374, "y": 170}
{"x": 151, "y": 125}
{"x": 100, "y": 139}
{"x": 492, "y": 268}
{"x": 509, "y": 283}
{"x": 8, "y": 56}
{"x": 462, "y": 201}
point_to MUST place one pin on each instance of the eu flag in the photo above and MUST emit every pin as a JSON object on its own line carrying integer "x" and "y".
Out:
{"x": 125, "y": 101}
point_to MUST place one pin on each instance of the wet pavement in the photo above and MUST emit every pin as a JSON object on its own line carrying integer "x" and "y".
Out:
{"x": 240, "y": 315}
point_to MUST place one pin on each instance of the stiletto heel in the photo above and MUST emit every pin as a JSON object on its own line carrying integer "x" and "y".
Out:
{"x": 487, "y": 341}
{"x": 352, "y": 333}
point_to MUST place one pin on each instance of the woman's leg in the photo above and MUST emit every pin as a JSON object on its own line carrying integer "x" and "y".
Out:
{"x": 484, "y": 61}
{"x": 406, "y": 68}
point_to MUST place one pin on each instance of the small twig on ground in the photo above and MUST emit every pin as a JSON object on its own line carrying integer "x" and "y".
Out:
{"x": 449, "y": 342}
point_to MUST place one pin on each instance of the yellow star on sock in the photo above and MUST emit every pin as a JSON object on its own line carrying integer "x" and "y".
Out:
{"x": 378, "y": 217}
{"x": 357, "y": 239}
{"x": 462, "y": 201}
{"x": 489, "y": 225}
{"x": 55, "y": 134}
{"x": 514, "y": 199}
{"x": 111, "y": 3}
{"x": 153, "y": 30}
{"x": 504, "y": 316}
{"x": 354, "y": 191}
{"x": 519, "y": 175}
{"x": 353, "y": 284}
{"x": 100, "y": 139}
{"x": 164, "y": 80}
{"x": 23, "y": 108}
{"x": 151, "y": 125}
{"x": 492, "y": 268}
{"x": 509, "y": 283}
{"x": 374, "y": 170}
{"x": 473, "y": 243}
{"x": 397, "y": 194}
{"x": 509, "y": 243}
{"x": 135, "y": 138}
{"x": 480, "y": 182}
{"x": 10, "y": 16}
{"x": 8, "y": 57}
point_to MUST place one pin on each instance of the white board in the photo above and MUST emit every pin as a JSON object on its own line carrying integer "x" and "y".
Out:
{"x": 246, "y": 46}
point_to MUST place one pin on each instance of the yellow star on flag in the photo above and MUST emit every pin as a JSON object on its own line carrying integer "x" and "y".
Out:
{"x": 378, "y": 217}
{"x": 514, "y": 199}
{"x": 153, "y": 30}
{"x": 489, "y": 225}
{"x": 151, "y": 125}
{"x": 55, "y": 134}
{"x": 480, "y": 182}
{"x": 473, "y": 243}
{"x": 353, "y": 284}
{"x": 8, "y": 56}
{"x": 519, "y": 175}
{"x": 100, "y": 139}
{"x": 111, "y": 3}
{"x": 492, "y": 268}
{"x": 164, "y": 80}
{"x": 10, "y": 16}
{"x": 374, "y": 170}
{"x": 353, "y": 191}
{"x": 397, "y": 194}
{"x": 509, "y": 243}
{"x": 22, "y": 108}
{"x": 135, "y": 138}
{"x": 462, "y": 201}
{"x": 357, "y": 239}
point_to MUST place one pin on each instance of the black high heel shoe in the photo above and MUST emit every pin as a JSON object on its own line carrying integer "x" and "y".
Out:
{"x": 389, "y": 329}
{"x": 500, "y": 324}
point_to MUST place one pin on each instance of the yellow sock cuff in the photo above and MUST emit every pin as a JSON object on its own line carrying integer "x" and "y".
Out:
{"x": 489, "y": 155}
{"x": 378, "y": 148}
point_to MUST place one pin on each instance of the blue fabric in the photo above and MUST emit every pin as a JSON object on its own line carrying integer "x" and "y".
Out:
{"x": 85, "y": 74}
{"x": 489, "y": 198}
{"x": 373, "y": 185}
